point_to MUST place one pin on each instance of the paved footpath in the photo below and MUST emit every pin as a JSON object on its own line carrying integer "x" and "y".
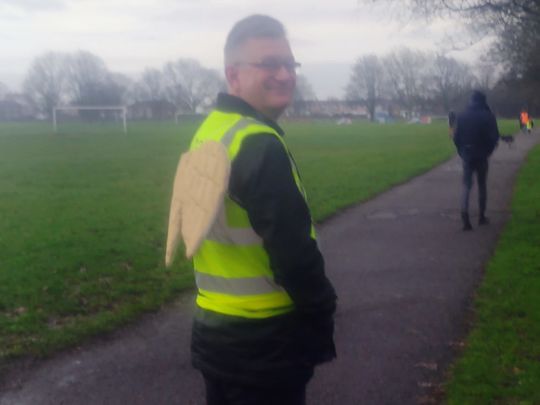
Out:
{"x": 404, "y": 272}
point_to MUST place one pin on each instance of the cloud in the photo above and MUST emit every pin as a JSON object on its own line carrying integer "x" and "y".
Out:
{"x": 133, "y": 34}
{"x": 33, "y": 5}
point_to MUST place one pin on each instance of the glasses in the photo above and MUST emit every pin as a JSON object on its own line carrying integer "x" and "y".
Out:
{"x": 273, "y": 66}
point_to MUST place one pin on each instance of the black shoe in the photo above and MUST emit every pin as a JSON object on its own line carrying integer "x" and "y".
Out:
{"x": 466, "y": 222}
{"x": 483, "y": 220}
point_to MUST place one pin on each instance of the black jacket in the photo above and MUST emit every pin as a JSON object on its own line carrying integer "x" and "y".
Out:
{"x": 284, "y": 348}
{"x": 476, "y": 134}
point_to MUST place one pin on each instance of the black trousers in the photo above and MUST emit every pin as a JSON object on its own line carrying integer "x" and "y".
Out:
{"x": 480, "y": 167}
{"x": 220, "y": 392}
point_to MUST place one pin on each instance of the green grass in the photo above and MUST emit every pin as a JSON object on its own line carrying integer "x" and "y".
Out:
{"x": 341, "y": 165}
{"x": 501, "y": 361}
{"x": 82, "y": 232}
{"x": 84, "y": 214}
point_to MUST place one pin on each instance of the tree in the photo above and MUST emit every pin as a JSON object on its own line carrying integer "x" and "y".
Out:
{"x": 408, "y": 77}
{"x": 303, "y": 92}
{"x": 452, "y": 80}
{"x": 189, "y": 86}
{"x": 485, "y": 14}
{"x": 148, "y": 93}
{"x": 90, "y": 83}
{"x": 150, "y": 86}
{"x": 46, "y": 81}
{"x": 515, "y": 23}
{"x": 122, "y": 84}
{"x": 366, "y": 81}
{"x": 519, "y": 50}
{"x": 88, "y": 79}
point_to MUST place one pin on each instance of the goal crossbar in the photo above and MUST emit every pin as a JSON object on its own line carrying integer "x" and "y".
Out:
{"x": 88, "y": 107}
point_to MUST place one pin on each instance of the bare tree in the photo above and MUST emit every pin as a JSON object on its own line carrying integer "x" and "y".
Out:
{"x": 451, "y": 80}
{"x": 150, "y": 86}
{"x": 487, "y": 73}
{"x": 303, "y": 90}
{"x": 487, "y": 14}
{"x": 366, "y": 82}
{"x": 148, "y": 93}
{"x": 188, "y": 85}
{"x": 515, "y": 23}
{"x": 303, "y": 93}
{"x": 46, "y": 80}
{"x": 519, "y": 50}
{"x": 122, "y": 83}
{"x": 87, "y": 78}
{"x": 408, "y": 77}
{"x": 91, "y": 83}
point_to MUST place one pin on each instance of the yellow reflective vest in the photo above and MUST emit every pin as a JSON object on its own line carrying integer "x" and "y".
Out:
{"x": 232, "y": 268}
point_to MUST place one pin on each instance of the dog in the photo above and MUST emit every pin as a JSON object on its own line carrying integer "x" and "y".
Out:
{"x": 509, "y": 139}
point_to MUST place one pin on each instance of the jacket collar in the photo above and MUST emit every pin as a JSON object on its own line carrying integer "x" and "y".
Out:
{"x": 233, "y": 104}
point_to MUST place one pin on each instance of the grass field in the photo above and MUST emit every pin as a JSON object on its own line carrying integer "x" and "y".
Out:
{"x": 501, "y": 361}
{"x": 84, "y": 214}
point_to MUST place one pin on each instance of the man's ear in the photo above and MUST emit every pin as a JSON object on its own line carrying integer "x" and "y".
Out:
{"x": 231, "y": 74}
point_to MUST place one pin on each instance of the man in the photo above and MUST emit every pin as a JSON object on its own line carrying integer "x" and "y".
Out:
{"x": 476, "y": 136}
{"x": 264, "y": 315}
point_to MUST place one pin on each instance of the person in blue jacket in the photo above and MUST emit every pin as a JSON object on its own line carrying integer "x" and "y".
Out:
{"x": 476, "y": 136}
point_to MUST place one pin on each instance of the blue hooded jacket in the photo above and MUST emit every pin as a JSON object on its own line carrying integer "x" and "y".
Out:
{"x": 476, "y": 133}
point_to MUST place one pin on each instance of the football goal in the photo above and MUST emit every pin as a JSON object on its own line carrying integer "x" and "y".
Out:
{"x": 121, "y": 109}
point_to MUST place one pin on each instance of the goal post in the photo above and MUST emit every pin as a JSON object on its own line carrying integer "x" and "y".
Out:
{"x": 122, "y": 109}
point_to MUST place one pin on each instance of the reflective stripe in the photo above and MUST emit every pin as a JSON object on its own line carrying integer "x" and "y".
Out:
{"x": 237, "y": 286}
{"x": 222, "y": 233}
{"x": 227, "y": 139}
{"x": 229, "y": 135}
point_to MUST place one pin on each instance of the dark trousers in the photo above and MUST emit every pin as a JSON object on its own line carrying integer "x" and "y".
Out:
{"x": 480, "y": 167}
{"x": 220, "y": 392}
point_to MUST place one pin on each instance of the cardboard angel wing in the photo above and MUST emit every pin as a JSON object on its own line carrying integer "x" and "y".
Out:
{"x": 201, "y": 181}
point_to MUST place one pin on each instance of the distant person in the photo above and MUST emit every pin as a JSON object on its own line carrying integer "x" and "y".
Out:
{"x": 264, "y": 314}
{"x": 476, "y": 136}
{"x": 523, "y": 120}
{"x": 530, "y": 125}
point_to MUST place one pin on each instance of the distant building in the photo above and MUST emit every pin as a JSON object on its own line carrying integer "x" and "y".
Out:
{"x": 152, "y": 110}
{"x": 328, "y": 109}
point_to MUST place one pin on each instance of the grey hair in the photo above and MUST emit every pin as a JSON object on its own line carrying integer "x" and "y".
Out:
{"x": 253, "y": 26}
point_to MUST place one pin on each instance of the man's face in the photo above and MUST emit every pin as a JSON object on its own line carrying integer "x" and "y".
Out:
{"x": 264, "y": 75}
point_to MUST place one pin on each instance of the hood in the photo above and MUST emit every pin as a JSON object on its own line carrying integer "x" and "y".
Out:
{"x": 478, "y": 101}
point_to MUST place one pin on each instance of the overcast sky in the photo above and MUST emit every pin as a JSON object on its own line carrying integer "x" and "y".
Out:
{"x": 326, "y": 36}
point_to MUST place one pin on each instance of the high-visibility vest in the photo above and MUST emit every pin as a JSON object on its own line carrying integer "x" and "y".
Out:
{"x": 232, "y": 268}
